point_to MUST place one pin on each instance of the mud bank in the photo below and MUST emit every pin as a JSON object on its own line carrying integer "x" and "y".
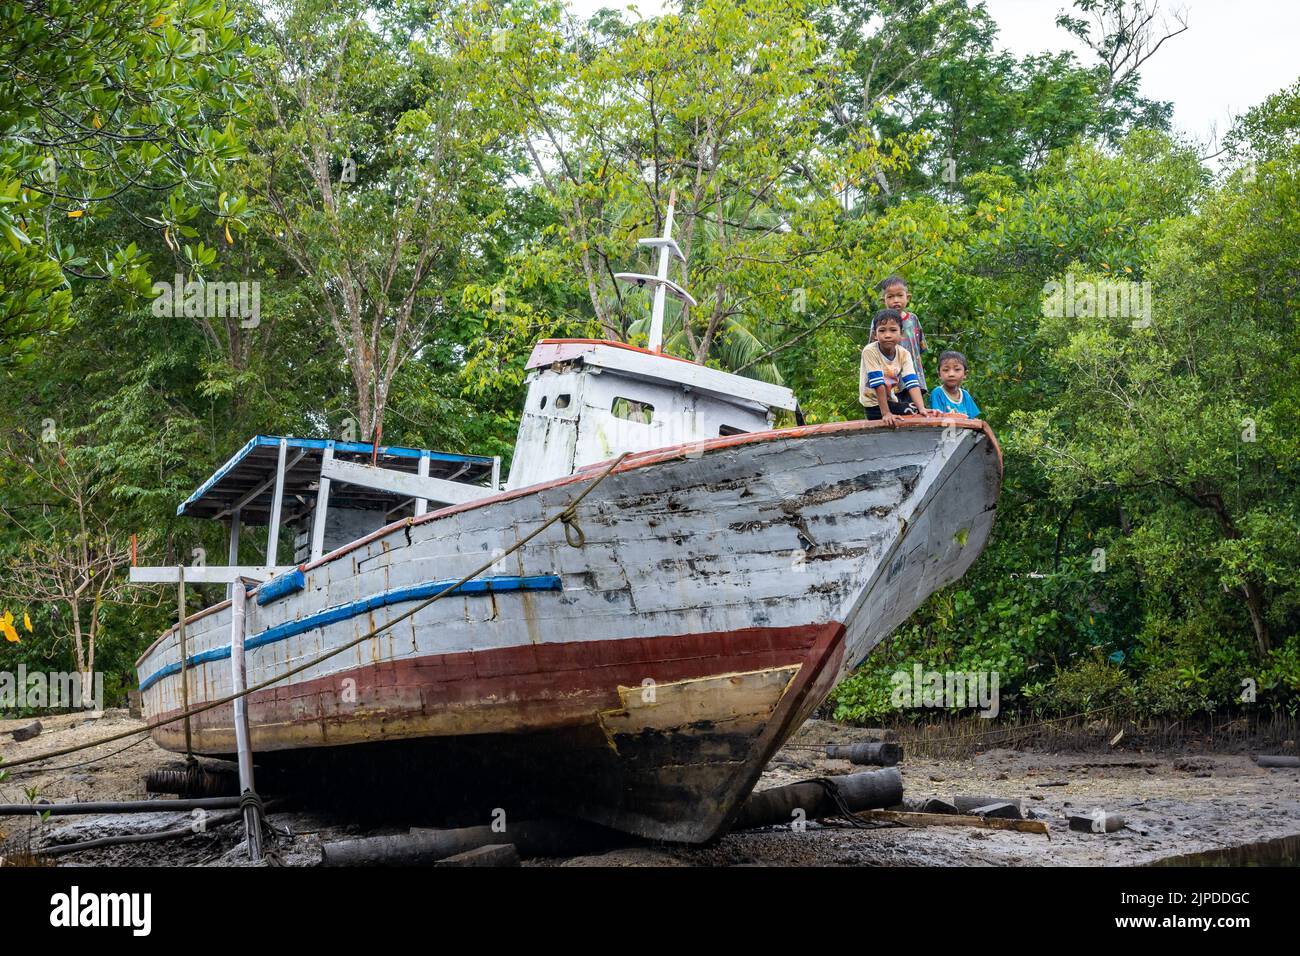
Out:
{"x": 1175, "y": 804}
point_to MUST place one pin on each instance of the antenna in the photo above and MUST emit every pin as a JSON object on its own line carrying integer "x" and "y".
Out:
{"x": 663, "y": 286}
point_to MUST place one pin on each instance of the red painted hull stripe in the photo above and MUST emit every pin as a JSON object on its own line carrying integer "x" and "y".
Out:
{"x": 542, "y": 677}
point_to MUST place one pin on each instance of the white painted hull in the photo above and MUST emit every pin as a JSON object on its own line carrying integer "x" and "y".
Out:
{"x": 718, "y": 596}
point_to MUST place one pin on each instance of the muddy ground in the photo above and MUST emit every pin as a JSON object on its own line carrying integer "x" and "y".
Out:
{"x": 1175, "y": 803}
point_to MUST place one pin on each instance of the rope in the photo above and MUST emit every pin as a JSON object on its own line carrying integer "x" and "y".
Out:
{"x": 573, "y": 534}
{"x": 374, "y": 632}
{"x": 252, "y": 799}
{"x": 833, "y": 791}
{"x": 81, "y": 763}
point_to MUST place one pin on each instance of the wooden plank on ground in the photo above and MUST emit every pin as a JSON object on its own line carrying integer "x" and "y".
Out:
{"x": 909, "y": 819}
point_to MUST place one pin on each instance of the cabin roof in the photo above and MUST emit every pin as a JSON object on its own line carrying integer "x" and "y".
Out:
{"x": 247, "y": 480}
{"x": 658, "y": 366}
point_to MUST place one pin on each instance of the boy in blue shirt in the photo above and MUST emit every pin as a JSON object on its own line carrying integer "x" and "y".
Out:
{"x": 951, "y": 397}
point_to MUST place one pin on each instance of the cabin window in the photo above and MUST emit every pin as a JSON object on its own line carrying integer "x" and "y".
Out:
{"x": 729, "y": 430}
{"x": 633, "y": 411}
{"x": 543, "y": 402}
{"x": 561, "y": 401}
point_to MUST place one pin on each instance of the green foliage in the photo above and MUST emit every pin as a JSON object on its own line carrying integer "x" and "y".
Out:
{"x": 506, "y": 159}
{"x": 1280, "y": 677}
{"x": 1186, "y": 420}
{"x": 736, "y": 134}
{"x": 1088, "y": 686}
{"x": 1166, "y": 446}
{"x": 103, "y": 103}
{"x": 377, "y": 184}
{"x": 932, "y": 67}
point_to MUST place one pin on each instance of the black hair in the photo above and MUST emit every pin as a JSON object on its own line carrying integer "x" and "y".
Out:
{"x": 893, "y": 280}
{"x": 945, "y": 356}
{"x": 886, "y": 315}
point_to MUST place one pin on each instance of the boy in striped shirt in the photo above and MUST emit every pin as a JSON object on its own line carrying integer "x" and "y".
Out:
{"x": 887, "y": 368}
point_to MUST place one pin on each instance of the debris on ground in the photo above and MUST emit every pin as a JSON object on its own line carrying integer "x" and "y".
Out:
{"x": 1164, "y": 812}
{"x": 1097, "y": 822}
{"x": 27, "y": 731}
{"x": 1270, "y": 760}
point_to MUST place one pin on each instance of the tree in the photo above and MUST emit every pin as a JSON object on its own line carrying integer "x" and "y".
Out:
{"x": 1188, "y": 420}
{"x": 1271, "y": 130}
{"x": 72, "y": 554}
{"x": 722, "y": 105}
{"x": 101, "y": 103}
{"x": 932, "y": 67}
{"x": 367, "y": 164}
{"x": 1124, "y": 34}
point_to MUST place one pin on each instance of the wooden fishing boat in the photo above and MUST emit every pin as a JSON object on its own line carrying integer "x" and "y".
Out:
{"x": 638, "y": 665}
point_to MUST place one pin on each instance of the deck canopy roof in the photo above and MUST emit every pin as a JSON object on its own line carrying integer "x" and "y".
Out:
{"x": 247, "y": 481}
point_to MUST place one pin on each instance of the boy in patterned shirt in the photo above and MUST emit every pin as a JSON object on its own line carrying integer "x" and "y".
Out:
{"x": 896, "y": 296}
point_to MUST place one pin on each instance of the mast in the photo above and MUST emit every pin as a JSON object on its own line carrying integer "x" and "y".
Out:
{"x": 663, "y": 286}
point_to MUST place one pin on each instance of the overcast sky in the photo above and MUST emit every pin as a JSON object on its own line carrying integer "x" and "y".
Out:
{"x": 1234, "y": 54}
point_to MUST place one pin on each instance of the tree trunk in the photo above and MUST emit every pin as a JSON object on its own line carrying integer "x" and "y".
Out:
{"x": 78, "y": 648}
{"x": 88, "y": 675}
{"x": 1251, "y": 590}
{"x": 1256, "y": 605}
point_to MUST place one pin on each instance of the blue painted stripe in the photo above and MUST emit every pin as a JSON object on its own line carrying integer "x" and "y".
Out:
{"x": 291, "y": 582}
{"x": 503, "y": 584}
{"x": 364, "y": 448}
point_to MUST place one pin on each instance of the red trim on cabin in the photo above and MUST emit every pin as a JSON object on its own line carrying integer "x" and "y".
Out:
{"x": 617, "y": 345}
{"x": 639, "y": 459}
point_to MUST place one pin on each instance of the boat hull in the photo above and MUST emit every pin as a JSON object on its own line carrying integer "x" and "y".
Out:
{"x": 644, "y": 678}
